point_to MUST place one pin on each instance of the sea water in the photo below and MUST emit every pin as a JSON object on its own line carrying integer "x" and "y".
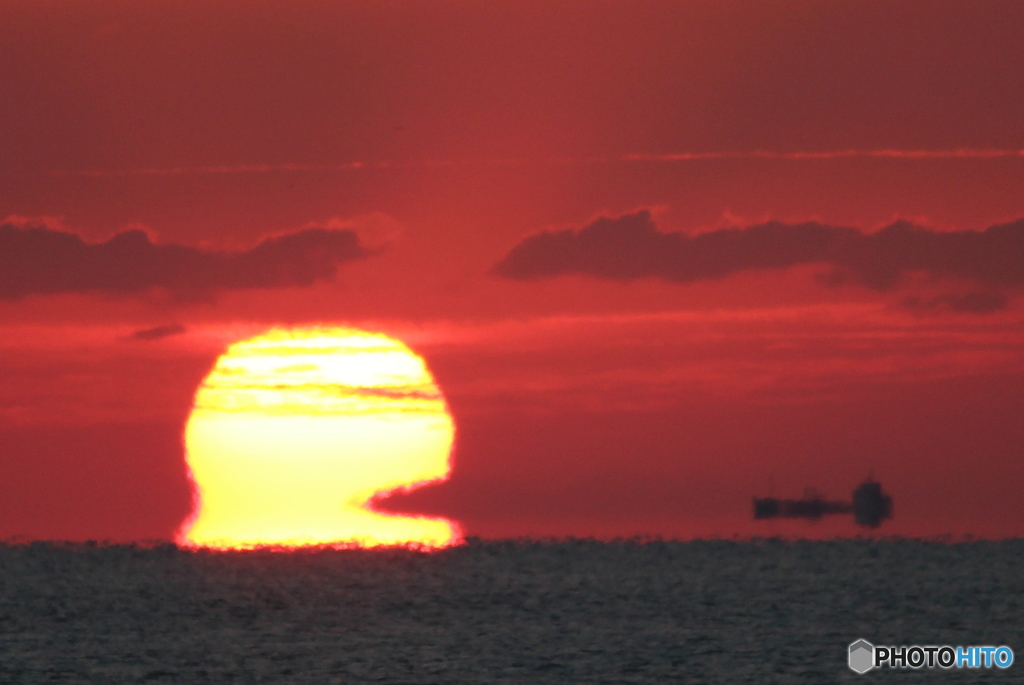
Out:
{"x": 571, "y": 611}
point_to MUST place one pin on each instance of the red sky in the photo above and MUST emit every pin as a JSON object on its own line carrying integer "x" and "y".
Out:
{"x": 472, "y": 177}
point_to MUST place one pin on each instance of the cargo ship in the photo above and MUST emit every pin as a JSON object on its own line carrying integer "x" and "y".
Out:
{"x": 869, "y": 505}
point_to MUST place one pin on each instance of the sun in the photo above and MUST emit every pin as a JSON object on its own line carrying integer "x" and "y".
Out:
{"x": 295, "y": 431}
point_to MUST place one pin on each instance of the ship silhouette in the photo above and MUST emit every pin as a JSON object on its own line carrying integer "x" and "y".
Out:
{"x": 869, "y": 506}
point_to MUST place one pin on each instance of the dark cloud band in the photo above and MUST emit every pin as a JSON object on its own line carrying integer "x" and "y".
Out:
{"x": 159, "y": 333}
{"x": 46, "y": 261}
{"x": 630, "y": 247}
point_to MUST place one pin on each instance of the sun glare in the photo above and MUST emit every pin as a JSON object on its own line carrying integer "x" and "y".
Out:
{"x": 295, "y": 431}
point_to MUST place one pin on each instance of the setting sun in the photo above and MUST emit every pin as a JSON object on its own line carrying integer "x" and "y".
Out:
{"x": 295, "y": 431}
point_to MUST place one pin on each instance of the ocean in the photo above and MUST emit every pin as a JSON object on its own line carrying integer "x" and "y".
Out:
{"x": 568, "y": 611}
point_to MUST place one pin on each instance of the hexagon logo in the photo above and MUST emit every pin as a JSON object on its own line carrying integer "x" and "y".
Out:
{"x": 862, "y": 656}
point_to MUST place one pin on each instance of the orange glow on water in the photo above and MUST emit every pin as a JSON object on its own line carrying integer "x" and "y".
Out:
{"x": 295, "y": 431}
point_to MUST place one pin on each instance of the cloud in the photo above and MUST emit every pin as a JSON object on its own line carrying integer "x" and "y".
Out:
{"x": 42, "y": 260}
{"x": 984, "y": 302}
{"x": 376, "y": 230}
{"x": 159, "y": 332}
{"x": 631, "y": 247}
